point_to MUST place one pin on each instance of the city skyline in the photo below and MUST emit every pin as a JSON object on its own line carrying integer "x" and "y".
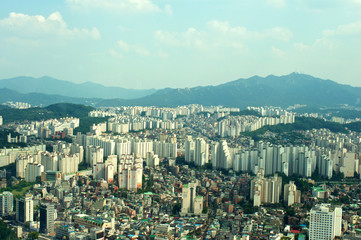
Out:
{"x": 160, "y": 43}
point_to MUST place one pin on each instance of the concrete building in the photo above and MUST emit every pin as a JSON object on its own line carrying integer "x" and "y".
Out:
{"x": 200, "y": 152}
{"x": 94, "y": 155}
{"x": 265, "y": 190}
{"x": 6, "y": 203}
{"x": 191, "y": 204}
{"x": 221, "y": 156}
{"x": 152, "y": 160}
{"x": 65, "y": 232}
{"x": 291, "y": 194}
{"x": 163, "y": 231}
{"x": 93, "y": 222}
{"x": 325, "y": 222}
{"x": 32, "y": 171}
{"x": 130, "y": 173}
{"x": 47, "y": 213}
{"x": 189, "y": 146}
{"x": 25, "y": 209}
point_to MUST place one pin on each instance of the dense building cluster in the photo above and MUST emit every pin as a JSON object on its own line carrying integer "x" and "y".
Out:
{"x": 172, "y": 173}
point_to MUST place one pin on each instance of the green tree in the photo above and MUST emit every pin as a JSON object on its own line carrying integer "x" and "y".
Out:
{"x": 33, "y": 235}
{"x": 5, "y": 232}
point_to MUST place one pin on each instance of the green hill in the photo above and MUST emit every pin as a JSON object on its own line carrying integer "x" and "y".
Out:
{"x": 58, "y": 110}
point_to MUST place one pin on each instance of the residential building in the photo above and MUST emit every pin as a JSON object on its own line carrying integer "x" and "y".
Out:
{"x": 325, "y": 222}
{"x": 25, "y": 209}
{"x": 6, "y": 203}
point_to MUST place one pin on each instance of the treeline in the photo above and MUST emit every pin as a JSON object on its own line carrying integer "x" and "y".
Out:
{"x": 5, "y": 231}
{"x": 333, "y": 112}
{"x": 4, "y": 139}
{"x": 58, "y": 110}
{"x": 17, "y": 187}
{"x": 301, "y": 124}
{"x": 245, "y": 112}
{"x": 86, "y": 122}
{"x": 355, "y": 126}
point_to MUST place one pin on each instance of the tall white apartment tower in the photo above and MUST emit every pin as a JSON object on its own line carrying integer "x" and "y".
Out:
{"x": 25, "y": 209}
{"x": 1, "y": 120}
{"x": 325, "y": 222}
{"x": 291, "y": 194}
{"x": 200, "y": 152}
{"x": 189, "y": 149}
{"x": 221, "y": 156}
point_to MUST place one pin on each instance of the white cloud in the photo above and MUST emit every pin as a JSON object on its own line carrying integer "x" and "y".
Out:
{"x": 162, "y": 54}
{"x": 279, "y": 33}
{"x": 190, "y": 38}
{"x": 301, "y": 47}
{"x": 277, "y": 52}
{"x": 221, "y": 35}
{"x": 125, "y": 47}
{"x": 22, "y": 25}
{"x": 224, "y": 27}
{"x": 347, "y": 29}
{"x": 239, "y": 31}
{"x": 115, "y": 5}
{"x": 115, "y": 53}
{"x": 277, "y": 3}
{"x": 168, "y": 10}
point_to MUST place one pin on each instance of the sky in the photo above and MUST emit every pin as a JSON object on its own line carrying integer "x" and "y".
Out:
{"x": 179, "y": 43}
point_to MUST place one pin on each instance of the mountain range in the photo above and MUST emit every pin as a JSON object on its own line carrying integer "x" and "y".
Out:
{"x": 272, "y": 90}
{"x": 52, "y": 86}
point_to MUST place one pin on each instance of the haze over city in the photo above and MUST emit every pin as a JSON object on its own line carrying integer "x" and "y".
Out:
{"x": 162, "y": 43}
{"x": 169, "y": 120}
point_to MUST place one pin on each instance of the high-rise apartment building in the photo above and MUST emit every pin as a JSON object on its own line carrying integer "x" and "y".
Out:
{"x": 291, "y": 194}
{"x": 32, "y": 171}
{"x": 325, "y": 222}
{"x": 25, "y": 209}
{"x": 200, "y": 152}
{"x": 221, "y": 156}
{"x": 265, "y": 190}
{"x": 189, "y": 146}
{"x": 6, "y": 203}
{"x": 130, "y": 173}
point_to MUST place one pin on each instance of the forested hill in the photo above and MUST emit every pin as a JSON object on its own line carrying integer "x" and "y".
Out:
{"x": 58, "y": 110}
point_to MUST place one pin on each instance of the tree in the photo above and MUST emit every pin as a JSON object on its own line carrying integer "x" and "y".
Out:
{"x": 33, "y": 235}
{"x": 5, "y": 232}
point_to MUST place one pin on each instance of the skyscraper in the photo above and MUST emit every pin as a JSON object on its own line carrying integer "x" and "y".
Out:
{"x": 291, "y": 194}
{"x": 190, "y": 203}
{"x": 265, "y": 190}
{"x": 6, "y": 203}
{"x": 189, "y": 149}
{"x": 200, "y": 152}
{"x": 24, "y": 209}
{"x": 325, "y": 222}
{"x": 47, "y": 218}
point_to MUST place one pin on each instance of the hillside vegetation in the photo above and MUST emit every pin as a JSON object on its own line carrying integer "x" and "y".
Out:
{"x": 58, "y": 110}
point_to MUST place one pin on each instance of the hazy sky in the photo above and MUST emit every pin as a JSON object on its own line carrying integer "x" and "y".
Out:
{"x": 179, "y": 43}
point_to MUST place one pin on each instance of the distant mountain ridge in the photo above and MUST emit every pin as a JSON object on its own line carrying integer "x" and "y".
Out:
{"x": 52, "y": 86}
{"x": 255, "y": 91}
{"x": 40, "y": 99}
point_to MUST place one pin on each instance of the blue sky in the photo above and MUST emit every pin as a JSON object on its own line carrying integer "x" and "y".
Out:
{"x": 179, "y": 43}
